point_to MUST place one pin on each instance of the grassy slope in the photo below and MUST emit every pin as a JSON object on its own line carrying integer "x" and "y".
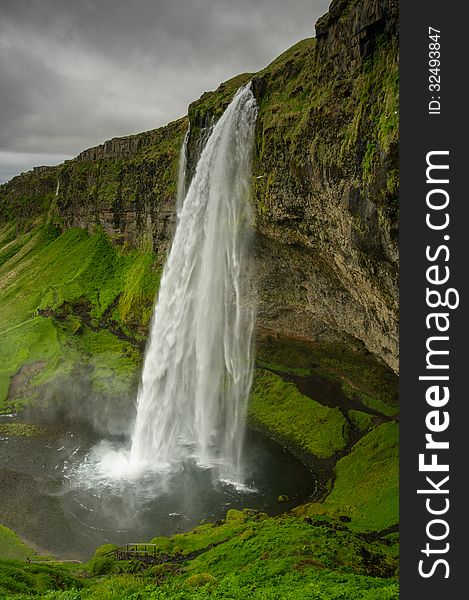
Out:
{"x": 11, "y": 547}
{"x": 248, "y": 555}
{"x": 366, "y": 483}
{"x": 360, "y": 375}
{"x": 64, "y": 295}
{"x": 18, "y": 580}
{"x": 279, "y": 409}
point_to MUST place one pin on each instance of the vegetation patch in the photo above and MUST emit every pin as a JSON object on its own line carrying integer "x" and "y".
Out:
{"x": 76, "y": 305}
{"x": 214, "y": 103}
{"x": 21, "y": 581}
{"x": 360, "y": 375}
{"x": 20, "y": 429}
{"x": 12, "y": 547}
{"x": 278, "y": 408}
{"x": 251, "y": 555}
{"x": 366, "y": 483}
{"x": 69, "y": 299}
{"x": 362, "y": 421}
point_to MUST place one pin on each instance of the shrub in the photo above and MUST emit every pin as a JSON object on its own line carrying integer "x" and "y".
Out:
{"x": 200, "y": 579}
{"x": 101, "y": 565}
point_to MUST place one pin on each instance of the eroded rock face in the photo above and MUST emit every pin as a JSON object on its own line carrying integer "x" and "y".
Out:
{"x": 127, "y": 186}
{"x": 28, "y": 196}
{"x": 324, "y": 185}
{"x": 348, "y": 41}
{"x": 325, "y": 181}
{"x": 326, "y": 193}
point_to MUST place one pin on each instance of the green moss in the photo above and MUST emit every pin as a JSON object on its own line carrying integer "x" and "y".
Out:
{"x": 54, "y": 292}
{"x": 105, "y": 550}
{"x": 301, "y": 371}
{"x": 279, "y": 408}
{"x": 392, "y": 182}
{"x": 362, "y": 421}
{"x": 262, "y": 558}
{"x": 19, "y": 429}
{"x": 215, "y": 102}
{"x": 20, "y": 576}
{"x": 369, "y": 160}
{"x": 34, "y": 341}
{"x": 136, "y": 301}
{"x": 12, "y": 547}
{"x": 199, "y": 580}
{"x": 366, "y": 482}
{"x": 272, "y": 558}
{"x": 21, "y": 581}
{"x": 74, "y": 300}
{"x": 74, "y": 324}
{"x": 361, "y": 375}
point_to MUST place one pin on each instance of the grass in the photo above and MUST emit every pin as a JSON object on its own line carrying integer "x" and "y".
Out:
{"x": 300, "y": 371}
{"x": 215, "y": 102}
{"x": 60, "y": 312}
{"x": 320, "y": 585}
{"x": 19, "y": 429}
{"x": 366, "y": 483}
{"x": 362, "y": 421}
{"x": 278, "y": 408}
{"x": 19, "y": 580}
{"x": 12, "y": 547}
{"x": 247, "y": 555}
{"x": 61, "y": 298}
{"x": 360, "y": 375}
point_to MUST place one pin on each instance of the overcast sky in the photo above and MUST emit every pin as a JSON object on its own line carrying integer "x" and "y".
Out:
{"x": 74, "y": 73}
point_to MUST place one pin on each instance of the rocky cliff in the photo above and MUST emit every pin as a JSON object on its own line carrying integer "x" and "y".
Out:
{"x": 324, "y": 184}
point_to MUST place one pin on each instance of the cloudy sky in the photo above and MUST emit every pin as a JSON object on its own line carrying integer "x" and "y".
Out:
{"x": 74, "y": 73}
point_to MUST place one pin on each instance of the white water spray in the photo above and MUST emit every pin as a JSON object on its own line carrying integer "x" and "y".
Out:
{"x": 197, "y": 371}
{"x": 181, "y": 185}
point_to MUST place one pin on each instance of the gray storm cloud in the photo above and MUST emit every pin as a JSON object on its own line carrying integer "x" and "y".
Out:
{"x": 76, "y": 73}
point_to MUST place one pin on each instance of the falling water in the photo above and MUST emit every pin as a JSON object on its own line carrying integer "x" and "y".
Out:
{"x": 198, "y": 366}
{"x": 181, "y": 185}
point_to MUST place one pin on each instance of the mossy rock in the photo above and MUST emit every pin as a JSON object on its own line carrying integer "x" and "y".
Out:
{"x": 236, "y": 515}
{"x": 20, "y": 430}
{"x": 362, "y": 421}
{"x": 279, "y": 409}
{"x": 366, "y": 485}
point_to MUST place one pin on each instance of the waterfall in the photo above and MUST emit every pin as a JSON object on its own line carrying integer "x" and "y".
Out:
{"x": 197, "y": 370}
{"x": 181, "y": 183}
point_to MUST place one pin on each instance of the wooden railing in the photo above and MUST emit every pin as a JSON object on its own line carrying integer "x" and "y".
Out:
{"x": 146, "y": 553}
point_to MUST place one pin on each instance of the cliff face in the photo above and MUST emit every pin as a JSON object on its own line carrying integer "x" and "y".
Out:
{"x": 126, "y": 185}
{"x": 28, "y": 196}
{"x": 324, "y": 184}
{"x": 326, "y": 193}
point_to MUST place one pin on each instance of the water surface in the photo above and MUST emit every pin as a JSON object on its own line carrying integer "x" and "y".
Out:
{"x": 42, "y": 500}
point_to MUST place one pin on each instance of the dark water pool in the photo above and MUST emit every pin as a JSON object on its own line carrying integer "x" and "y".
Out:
{"x": 50, "y": 509}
